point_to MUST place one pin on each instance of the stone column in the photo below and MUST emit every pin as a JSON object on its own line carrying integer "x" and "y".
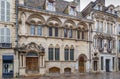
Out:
{"x": 24, "y": 61}
{"x": 20, "y": 62}
{"x": 43, "y": 61}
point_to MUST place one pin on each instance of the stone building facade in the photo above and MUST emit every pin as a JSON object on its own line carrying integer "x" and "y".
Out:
{"x": 103, "y": 51}
{"x": 7, "y": 39}
{"x": 52, "y": 38}
{"x": 118, "y": 38}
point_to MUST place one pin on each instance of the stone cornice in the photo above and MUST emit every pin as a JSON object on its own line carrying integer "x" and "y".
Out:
{"x": 23, "y": 8}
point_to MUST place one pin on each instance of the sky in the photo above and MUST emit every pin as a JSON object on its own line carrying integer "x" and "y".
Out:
{"x": 107, "y": 2}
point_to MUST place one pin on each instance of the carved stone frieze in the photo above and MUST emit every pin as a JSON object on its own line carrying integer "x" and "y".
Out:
{"x": 32, "y": 47}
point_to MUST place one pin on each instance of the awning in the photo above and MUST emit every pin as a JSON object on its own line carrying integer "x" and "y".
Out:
{"x": 8, "y": 57}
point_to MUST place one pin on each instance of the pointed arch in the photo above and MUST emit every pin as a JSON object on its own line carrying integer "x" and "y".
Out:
{"x": 54, "y": 70}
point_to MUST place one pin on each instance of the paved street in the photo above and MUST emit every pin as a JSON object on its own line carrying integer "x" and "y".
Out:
{"x": 111, "y": 75}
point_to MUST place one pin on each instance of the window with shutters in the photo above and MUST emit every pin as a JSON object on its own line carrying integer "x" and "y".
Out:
{"x": 5, "y": 10}
{"x": 5, "y": 38}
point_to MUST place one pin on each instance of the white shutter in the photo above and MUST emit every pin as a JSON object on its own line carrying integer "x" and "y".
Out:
{"x": 2, "y": 10}
{"x": 0, "y": 35}
{"x": 7, "y": 11}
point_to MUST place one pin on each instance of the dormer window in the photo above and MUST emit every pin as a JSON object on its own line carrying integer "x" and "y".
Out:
{"x": 72, "y": 11}
{"x": 50, "y": 5}
{"x": 99, "y": 7}
{"x": 111, "y": 10}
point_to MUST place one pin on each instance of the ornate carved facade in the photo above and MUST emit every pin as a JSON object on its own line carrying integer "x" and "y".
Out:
{"x": 103, "y": 35}
{"x": 52, "y": 42}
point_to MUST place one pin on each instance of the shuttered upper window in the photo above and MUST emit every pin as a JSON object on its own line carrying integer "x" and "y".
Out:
{"x": 4, "y": 10}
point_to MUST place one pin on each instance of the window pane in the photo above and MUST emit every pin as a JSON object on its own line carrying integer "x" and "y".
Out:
{"x": 65, "y": 32}
{"x": 39, "y": 30}
{"x": 56, "y": 31}
{"x": 2, "y": 35}
{"x": 78, "y": 34}
{"x": 8, "y": 12}
{"x": 2, "y": 10}
{"x": 70, "y": 33}
{"x": 71, "y": 54}
{"x": 57, "y": 53}
{"x": 82, "y": 35}
{"x": 32, "y": 30}
{"x": 101, "y": 26}
{"x": 50, "y": 54}
{"x": 50, "y": 31}
{"x": 102, "y": 63}
{"x": 66, "y": 54}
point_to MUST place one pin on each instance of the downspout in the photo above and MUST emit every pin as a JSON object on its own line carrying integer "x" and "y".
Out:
{"x": 17, "y": 38}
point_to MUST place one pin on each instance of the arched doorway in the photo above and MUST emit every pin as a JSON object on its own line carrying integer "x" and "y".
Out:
{"x": 32, "y": 62}
{"x": 82, "y": 65}
{"x": 54, "y": 70}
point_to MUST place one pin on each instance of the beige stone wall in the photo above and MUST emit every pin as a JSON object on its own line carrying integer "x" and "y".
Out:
{"x": 81, "y": 46}
{"x": 11, "y": 26}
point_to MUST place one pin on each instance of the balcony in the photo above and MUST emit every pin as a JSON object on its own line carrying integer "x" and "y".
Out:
{"x": 5, "y": 45}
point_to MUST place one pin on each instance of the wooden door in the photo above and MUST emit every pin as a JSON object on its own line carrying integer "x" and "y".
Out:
{"x": 81, "y": 65}
{"x": 32, "y": 63}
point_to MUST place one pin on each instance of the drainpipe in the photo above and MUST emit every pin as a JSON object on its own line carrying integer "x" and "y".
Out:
{"x": 17, "y": 38}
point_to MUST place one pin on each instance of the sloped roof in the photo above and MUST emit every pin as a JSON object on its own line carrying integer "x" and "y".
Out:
{"x": 39, "y": 4}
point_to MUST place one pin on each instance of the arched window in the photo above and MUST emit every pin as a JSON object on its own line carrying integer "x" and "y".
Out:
{"x": 65, "y": 32}
{"x": 50, "y": 53}
{"x": 56, "y": 31}
{"x": 70, "y": 33}
{"x": 83, "y": 37}
{"x": 101, "y": 42}
{"x": 72, "y": 53}
{"x": 57, "y": 53}
{"x": 78, "y": 34}
{"x": 5, "y": 10}
{"x": 95, "y": 42}
{"x": 50, "y": 6}
{"x": 66, "y": 53}
{"x": 50, "y": 31}
{"x": 72, "y": 11}
{"x": 32, "y": 30}
{"x": 39, "y": 30}
{"x": 5, "y": 37}
{"x": 69, "y": 53}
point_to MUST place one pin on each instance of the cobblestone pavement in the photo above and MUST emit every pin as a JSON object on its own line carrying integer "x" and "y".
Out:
{"x": 110, "y": 75}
